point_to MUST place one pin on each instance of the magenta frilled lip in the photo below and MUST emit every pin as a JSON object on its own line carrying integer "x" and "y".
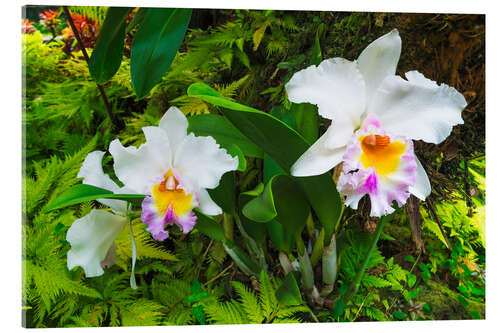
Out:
{"x": 379, "y": 165}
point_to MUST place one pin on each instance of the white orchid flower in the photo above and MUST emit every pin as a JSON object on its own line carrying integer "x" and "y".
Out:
{"x": 375, "y": 116}
{"x": 92, "y": 236}
{"x": 172, "y": 168}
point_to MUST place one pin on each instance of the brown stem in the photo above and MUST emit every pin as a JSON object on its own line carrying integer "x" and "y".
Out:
{"x": 109, "y": 110}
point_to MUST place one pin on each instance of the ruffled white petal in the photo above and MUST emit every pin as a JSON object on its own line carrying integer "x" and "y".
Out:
{"x": 417, "y": 108}
{"x": 378, "y": 60}
{"x": 175, "y": 123}
{"x": 336, "y": 86}
{"x": 140, "y": 168}
{"x": 422, "y": 187}
{"x": 91, "y": 237}
{"x": 319, "y": 158}
{"x": 201, "y": 162}
{"x": 92, "y": 174}
{"x": 207, "y": 205}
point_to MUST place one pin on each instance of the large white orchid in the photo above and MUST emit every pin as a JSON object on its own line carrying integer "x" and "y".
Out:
{"x": 375, "y": 116}
{"x": 171, "y": 168}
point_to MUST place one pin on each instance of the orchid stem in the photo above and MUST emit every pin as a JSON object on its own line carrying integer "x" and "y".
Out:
{"x": 354, "y": 287}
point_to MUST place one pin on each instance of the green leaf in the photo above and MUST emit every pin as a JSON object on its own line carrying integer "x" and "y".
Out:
{"x": 316, "y": 54}
{"x": 256, "y": 230}
{"x": 307, "y": 120}
{"x": 155, "y": 45}
{"x": 288, "y": 293}
{"x": 284, "y": 145}
{"x": 283, "y": 200}
{"x": 338, "y": 308}
{"x": 209, "y": 227}
{"x": 281, "y": 237}
{"x": 463, "y": 301}
{"x": 223, "y": 132}
{"x": 399, "y": 315}
{"x": 108, "y": 52}
{"x": 224, "y": 195}
{"x": 411, "y": 280}
{"x": 241, "y": 259}
{"x": 199, "y": 314}
{"x": 234, "y": 151}
{"x": 83, "y": 192}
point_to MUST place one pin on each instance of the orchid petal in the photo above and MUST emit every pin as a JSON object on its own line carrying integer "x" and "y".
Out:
{"x": 175, "y": 123}
{"x": 91, "y": 237}
{"x": 140, "y": 168}
{"x": 201, "y": 162}
{"x": 207, "y": 205}
{"x": 92, "y": 174}
{"x": 417, "y": 108}
{"x": 422, "y": 187}
{"x": 337, "y": 87}
{"x": 319, "y": 158}
{"x": 379, "y": 60}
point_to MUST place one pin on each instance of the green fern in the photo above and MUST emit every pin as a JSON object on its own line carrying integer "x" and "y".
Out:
{"x": 254, "y": 309}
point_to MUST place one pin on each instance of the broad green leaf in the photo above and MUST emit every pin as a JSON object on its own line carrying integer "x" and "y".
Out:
{"x": 284, "y": 145}
{"x": 288, "y": 293}
{"x": 108, "y": 52}
{"x": 307, "y": 120}
{"x": 282, "y": 239}
{"x": 155, "y": 45}
{"x": 256, "y": 230}
{"x": 234, "y": 151}
{"x": 223, "y": 132}
{"x": 83, "y": 192}
{"x": 209, "y": 227}
{"x": 283, "y": 200}
{"x": 224, "y": 195}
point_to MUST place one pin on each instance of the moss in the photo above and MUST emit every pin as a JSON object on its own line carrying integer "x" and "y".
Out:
{"x": 445, "y": 304}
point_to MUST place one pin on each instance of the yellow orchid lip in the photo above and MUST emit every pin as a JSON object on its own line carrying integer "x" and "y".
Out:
{"x": 169, "y": 193}
{"x": 379, "y": 152}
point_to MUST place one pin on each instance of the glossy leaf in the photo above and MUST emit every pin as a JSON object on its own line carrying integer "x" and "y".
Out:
{"x": 209, "y": 227}
{"x": 155, "y": 45}
{"x": 83, "y": 193}
{"x": 254, "y": 229}
{"x": 282, "y": 239}
{"x": 284, "y": 145}
{"x": 289, "y": 293}
{"x": 307, "y": 120}
{"x": 223, "y": 132}
{"x": 224, "y": 194}
{"x": 108, "y": 52}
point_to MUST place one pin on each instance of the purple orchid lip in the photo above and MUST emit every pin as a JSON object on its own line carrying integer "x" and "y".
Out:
{"x": 383, "y": 187}
{"x": 157, "y": 218}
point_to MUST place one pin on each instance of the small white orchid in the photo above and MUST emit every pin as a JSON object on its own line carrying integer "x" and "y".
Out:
{"x": 171, "y": 168}
{"x": 375, "y": 116}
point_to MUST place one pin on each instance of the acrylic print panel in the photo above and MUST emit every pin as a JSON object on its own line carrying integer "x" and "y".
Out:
{"x": 201, "y": 167}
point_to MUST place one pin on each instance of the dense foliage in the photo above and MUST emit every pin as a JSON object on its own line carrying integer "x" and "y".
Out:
{"x": 428, "y": 265}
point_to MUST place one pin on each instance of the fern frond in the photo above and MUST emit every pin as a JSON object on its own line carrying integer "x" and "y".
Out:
{"x": 226, "y": 313}
{"x": 249, "y": 302}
